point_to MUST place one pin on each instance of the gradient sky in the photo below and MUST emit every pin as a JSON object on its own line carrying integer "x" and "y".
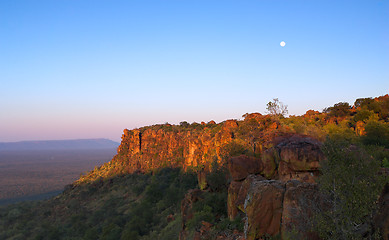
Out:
{"x": 88, "y": 69}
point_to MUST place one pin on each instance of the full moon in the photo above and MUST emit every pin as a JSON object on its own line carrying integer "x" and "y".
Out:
{"x": 282, "y": 44}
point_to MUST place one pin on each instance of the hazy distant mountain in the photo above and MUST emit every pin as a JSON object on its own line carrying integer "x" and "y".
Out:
{"x": 59, "y": 144}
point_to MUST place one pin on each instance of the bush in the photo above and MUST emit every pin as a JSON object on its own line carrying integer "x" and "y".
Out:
{"x": 217, "y": 179}
{"x": 233, "y": 148}
{"x": 341, "y": 132}
{"x": 379, "y": 153}
{"x": 227, "y": 224}
{"x": 133, "y": 206}
{"x": 377, "y": 133}
{"x": 351, "y": 183}
{"x": 340, "y": 109}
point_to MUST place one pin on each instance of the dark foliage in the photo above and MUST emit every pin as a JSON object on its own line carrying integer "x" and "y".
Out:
{"x": 377, "y": 133}
{"x": 380, "y": 107}
{"x": 341, "y": 109}
{"x": 133, "y": 206}
{"x": 351, "y": 182}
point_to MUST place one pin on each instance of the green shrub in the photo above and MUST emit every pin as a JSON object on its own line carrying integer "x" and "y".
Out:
{"x": 341, "y": 132}
{"x": 234, "y": 148}
{"x": 340, "y": 109}
{"x": 217, "y": 178}
{"x": 351, "y": 184}
{"x": 226, "y": 224}
{"x": 91, "y": 234}
{"x": 111, "y": 232}
{"x": 203, "y": 214}
{"x": 379, "y": 153}
{"x": 385, "y": 162}
{"x": 377, "y": 133}
{"x": 124, "y": 207}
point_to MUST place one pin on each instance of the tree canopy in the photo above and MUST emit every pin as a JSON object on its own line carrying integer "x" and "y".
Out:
{"x": 277, "y": 108}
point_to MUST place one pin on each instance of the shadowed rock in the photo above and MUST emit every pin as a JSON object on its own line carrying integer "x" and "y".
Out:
{"x": 242, "y": 166}
{"x": 263, "y": 208}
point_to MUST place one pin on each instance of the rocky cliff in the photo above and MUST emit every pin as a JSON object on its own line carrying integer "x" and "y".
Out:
{"x": 186, "y": 145}
{"x": 198, "y": 145}
{"x": 273, "y": 165}
{"x": 269, "y": 168}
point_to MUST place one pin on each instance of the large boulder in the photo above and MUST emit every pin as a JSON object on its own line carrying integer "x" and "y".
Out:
{"x": 297, "y": 156}
{"x": 285, "y": 173}
{"x": 274, "y": 208}
{"x": 301, "y": 201}
{"x": 242, "y": 166}
{"x": 301, "y": 153}
{"x": 270, "y": 159}
{"x": 237, "y": 193}
{"x": 292, "y": 157}
{"x": 244, "y": 189}
{"x": 263, "y": 208}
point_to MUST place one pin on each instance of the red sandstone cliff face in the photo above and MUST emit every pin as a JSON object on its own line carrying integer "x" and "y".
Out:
{"x": 190, "y": 146}
{"x": 160, "y": 146}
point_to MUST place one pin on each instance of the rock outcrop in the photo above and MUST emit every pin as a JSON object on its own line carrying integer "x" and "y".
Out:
{"x": 294, "y": 162}
{"x": 273, "y": 207}
{"x": 296, "y": 156}
{"x": 237, "y": 193}
{"x": 293, "y": 157}
{"x": 263, "y": 208}
{"x": 299, "y": 158}
{"x": 242, "y": 166}
{"x": 284, "y": 206}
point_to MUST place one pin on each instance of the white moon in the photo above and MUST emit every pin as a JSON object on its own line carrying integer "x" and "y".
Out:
{"x": 282, "y": 44}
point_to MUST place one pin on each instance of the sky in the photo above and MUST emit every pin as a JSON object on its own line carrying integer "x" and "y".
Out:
{"x": 76, "y": 69}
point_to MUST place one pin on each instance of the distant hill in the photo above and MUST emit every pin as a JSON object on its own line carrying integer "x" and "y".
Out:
{"x": 59, "y": 144}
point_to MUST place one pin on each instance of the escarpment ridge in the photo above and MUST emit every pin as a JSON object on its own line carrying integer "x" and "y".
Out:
{"x": 190, "y": 146}
{"x": 198, "y": 145}
{"x": 273, "y": 164}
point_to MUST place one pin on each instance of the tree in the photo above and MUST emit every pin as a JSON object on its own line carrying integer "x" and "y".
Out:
{"x": 251, "y": 131}
{"x": 351, "y": 184}
{"x": 378, "y": 105}
{"x": 277, "y": 108}
{"x": 364, "y": 102}
{"x": 340, "y": 109}
{"x": 184, "y": 124}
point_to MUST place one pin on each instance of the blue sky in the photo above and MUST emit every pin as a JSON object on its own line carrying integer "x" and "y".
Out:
{"x": 89, "y": 69}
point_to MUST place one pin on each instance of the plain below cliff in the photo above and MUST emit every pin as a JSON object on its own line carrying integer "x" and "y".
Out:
{"x": 75, "y": 144}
